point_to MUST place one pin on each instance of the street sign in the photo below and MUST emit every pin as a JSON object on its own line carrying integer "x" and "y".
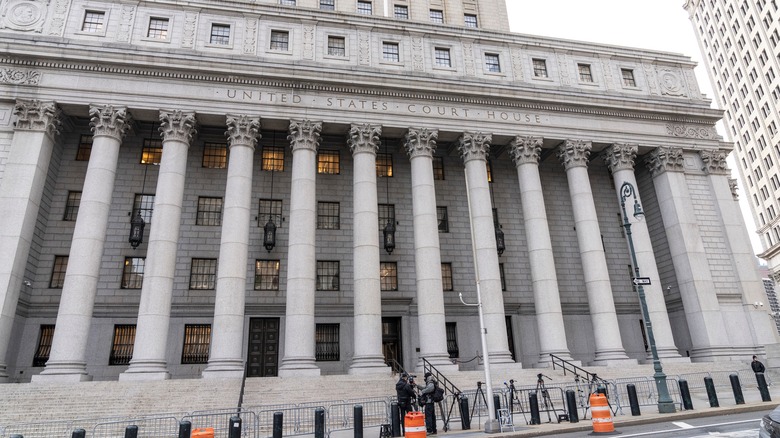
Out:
{"x": 642, "y": 281}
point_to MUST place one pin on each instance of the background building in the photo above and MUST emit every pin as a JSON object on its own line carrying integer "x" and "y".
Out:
{"x": 270, "y": 150}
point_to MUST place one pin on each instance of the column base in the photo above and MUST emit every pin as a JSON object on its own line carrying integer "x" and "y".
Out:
{"x": 614, "y": 362}
{"x": 501, "y": 357}
{"x": 3, "y": 373}
{"x": 605, "y": 356}
{"x": 221, "y": 369}
{"x": 369, "y": 365}
{"x": 545, "y": 360}
{"x": 720, "y": 353}
{"x": 146, "y": 370}
{"x": 298, "y": 367}
{"x": 62, "y": 372}
{"x": 670, "y": 354}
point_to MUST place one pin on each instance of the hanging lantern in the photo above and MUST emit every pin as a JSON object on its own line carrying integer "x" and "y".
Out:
{"x": 500, "y": 245}
{"x": 136, "y": 230}
{"x": 389, "y": 235}
{"x": 269, "y": 235}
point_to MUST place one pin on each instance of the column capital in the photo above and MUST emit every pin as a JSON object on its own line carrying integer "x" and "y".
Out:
{"x": 178, "y": 125}
{"x": 110, "y": 121}
{"x": 420, "y": 142}
{"x": 304, "y": 134}
{"x": 574, "y": 153}
{"x": 525, "y": 150}
{"x": 620, "y": 156}
{"x": 242, "y": 129}
{"x": 715, "y": 162}
{"x": 665, "y": 159}
{"x": 35, "y": 115}
{"x": 474, "y": 146}
{"x": 364, "y": 138}
{"x": 733, "y": 187}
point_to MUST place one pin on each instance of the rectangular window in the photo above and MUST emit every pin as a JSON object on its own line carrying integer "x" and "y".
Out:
{"x": 390, "y": 52}
{"x": 152, "y": 151}
{"x": 72, "y": 206}
{"x": 365, "y": 8}
{"x": 328, "y": 162}
{"x": 401, "y": 12}
{"x": 386, "y": 213}
{"x": 628, "y": 77}
{"x": 384, "y": 165}
{"x": 133, "y": 272}
{"x": 266, "y": 274}
{"x": 540, "y": 68}
{"x": 203, "y": 274}
{"x": 437, "y": 16}
{"x": 58, "y": 272}
{"x": 470, "y": 20}
{"x": 503, "y": 278}
{"x": 122, "y": 346}
{"x": 85, "y": 148}
{"x": 287, "y": 2}
{"x": 327, "y": 343}
{"x": 328, "y": 216}
{"x": 220, "y": 34}
{"x": 93, "y": 21}
{"x": 197, "y": 338}
{"x": 270, "y": 209}
{"x": 446, "y": 276}
{"x": 438, "y": 168}
{"x": 280, "y": 40}
{"x": 441, "y": 217}
{"x": 442, "y": 57}
{"x": 452, "y": 340}
{"x": 327, "y": 275}
{"x": 214, "y": 155}
{"x": 388, "y": 276}
{"x": 489, "y": 168}
{"x": 492, "y": 63}
{"x": 44, "y": 345}
{"x": 209, "y": 211}
{"x": 144, "y": 204}
{"x": 584, "y": 72}
{"x": 273, "y": 158}
{"x": 328, "y": 5}
{"x": 337, "y": 46}
{"x": 158, "y": 28}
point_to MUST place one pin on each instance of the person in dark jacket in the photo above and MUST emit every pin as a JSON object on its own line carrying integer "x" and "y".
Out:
{"x": 757, "y": 366}
{"x": 426, "y": 398}
{"x": 406, "y": 396}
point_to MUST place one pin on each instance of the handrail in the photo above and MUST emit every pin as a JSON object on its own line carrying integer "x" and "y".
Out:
{"x": 576, "y": 370}
{"x": 448, "y": 386}
{"x": 395, "y": 367}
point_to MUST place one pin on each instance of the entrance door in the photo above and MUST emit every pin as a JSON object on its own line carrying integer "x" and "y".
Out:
{"x": 263, "y": 358}
{"x": 391, "y": 342}
{"x": 510, "y": 337}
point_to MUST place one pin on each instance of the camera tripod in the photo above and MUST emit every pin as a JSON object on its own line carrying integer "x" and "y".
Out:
{"x": 477, "y": 396}
{"x": 548, "y": 404}
{"x": 515, "y": 398}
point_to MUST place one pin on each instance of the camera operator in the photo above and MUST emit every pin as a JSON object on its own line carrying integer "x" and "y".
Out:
{"x": 426, "y": 397}
{"x": 406, "y": 395}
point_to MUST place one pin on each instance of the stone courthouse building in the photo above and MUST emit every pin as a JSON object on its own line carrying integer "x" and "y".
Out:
{"x": 200, "y": 188}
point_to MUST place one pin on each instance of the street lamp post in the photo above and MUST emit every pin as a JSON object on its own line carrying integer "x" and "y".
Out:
{"x": 665, "y": 403}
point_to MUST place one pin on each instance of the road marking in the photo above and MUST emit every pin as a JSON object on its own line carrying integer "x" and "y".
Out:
{"x": 682, "y": 425}
{"x": 659, "y": 432}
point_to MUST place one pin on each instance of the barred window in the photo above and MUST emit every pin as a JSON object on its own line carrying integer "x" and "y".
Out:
{"x": 442, "y": 57}
{"x": 145, "y": 205}
{"x": 273, "y": 158}
{"x": 58, "y": 272}
{"x": 628, "y": 77}
{"x": 328, "y": 162}
{"x": 220, "y": 34}
{"x": 266, "y": 274}
{"x": 133, "y": 272}
{"x": 364, "y": 7}
{"x": 327, "y": 275}
{"x": 446, "y": 276}
{"x": 203, "y": 274}
{"x": 44, "y": 345}
{"x": 470, "y": 20}
{"x": 209, "y": 211}
{"x": 492, "y": 63}
{"x": 328, "y": 5}
{"x": 503, "y": 278}
{"x": 158, "y": 28}
{"x": 215, "y": 155}
{"x": 72, "y": 206}
{"x": 122, "y": 346}
{"x": 540, "y": 68}
{"x": 384, "y": 165}
{"x": 441, "y": 217}
{"x": 327, "y": 342}
{"x": 328, "y": 216}
{"x": 93, "y": 21}
{"x": 388, "y": 276}
{"x": 437, "y": 16}
{"x": 197, "y": 339}
{"x": 401, "y": 12}
{"x": 85, "y": 148}
{"x": 438, "y": 168}
{"x": 386, "y": 213}
{"x": 270, "y": 209}
{"x": 152, "y": 151}
{"x": 585, "y": 73}
{"x": 337, "y": 46}
{"x": 390, "y": 52}
{"x": 280, "y": 40}
{"x": 452, "y": 340}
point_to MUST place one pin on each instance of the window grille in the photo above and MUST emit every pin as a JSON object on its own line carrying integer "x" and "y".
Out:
{"x": 327, "y": 342}
{"x": 441, "y": 217}
{"x": 280, "y": 40}
{"x": 209, "y": 211}
{"x": 492, "y": 63}
{"x": 203, "y": 274}
{"x": 215, "y": 155}
{"x": 158, "y": 28}
{"x": 197, "y": 339}
{"x": 270, "y": 209}
{"x": 328, "y": 215}
{"x": 452, "y": 340}
{"x": 85, "y": 148}
{"x": 328, "y": 162}
{"x": 72, "y": 206}
{"x": 442, "y": 57}
{"x": 390, "y": 52}
{"x": 438, "y": 168}
{"x": 220, "y": 34}
{"x": 446, "y": 276}
{"x": 58, "y": 272}
{"x": 337, "y": 46}
{"x": 152, "y": 151}
{"x": 93, "y": 21}
{"x": 628, "y": 77}
{"x": 401, "y": 12}
{"x": 122, "y": 346}
{"x": 327, "y": 276}
{"x": 145, "y": 205}
{"x": 388, "y": 276}
{"x": 470, "y": 20}
{"x": 266, "y": 274}
{"x": 44, "y": 345}
{"x": 585, "y": 73}
{"x": 133, "y": 272}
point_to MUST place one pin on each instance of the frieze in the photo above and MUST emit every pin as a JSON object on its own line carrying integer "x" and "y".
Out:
{"x": 364, "y": 48}
{"x": 688, "y": 131}
{"x": 563, "y": 69}
{"x": 733, "y": 187}
{"x": 188, "y": 36}
{"x": 517, "y": 64}
{"x": 418, "y": 63}
{"x": 308, "y": 41}
{"x": 19, "y": 77}
{"x": 671, "y": 84}
{"x": 468, "y": 58}
{"x": 250, "y": 35}
{"x": 23, "y": 15}
{"x": 420, "y": 142}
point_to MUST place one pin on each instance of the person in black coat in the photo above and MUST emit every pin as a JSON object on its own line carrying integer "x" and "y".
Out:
{"x": 757, "y": 366}
{"x": 426, "y": 397}
{"x": 406, "y": 395}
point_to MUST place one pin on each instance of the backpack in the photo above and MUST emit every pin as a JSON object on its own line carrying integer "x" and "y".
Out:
{"x": 438, "y": 392}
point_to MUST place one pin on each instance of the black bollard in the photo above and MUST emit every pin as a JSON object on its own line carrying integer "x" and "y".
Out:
{"x": 131, "y": 431}
{"x": 533, "y": 404}
{"x": 81, "y": 433}
{"x": 319, "y": 423}
{"x": 737, "y": 389}
{"x": 16, "y": 436}
{"x": 711, "y": 394}
{"x": 497, "y": 404}
{"x": 358, "y": 420}
{"x": 571, "y": 406}
{"x": 685, "y": 395}
{"x": 278, "y": 424}
{"x": 235, "y": 427}
{"x": 633, "y": 400}
{"x": 185, "y": 429}
{"x": 395, "y": 416}
{"x": 465, "y": 420}
{"x": 762, "y": 387}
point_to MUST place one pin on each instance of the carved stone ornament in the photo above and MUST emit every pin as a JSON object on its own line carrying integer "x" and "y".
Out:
{"x": 178, "y": 126}
{"x": 59, "y": 13}
{"x": 715, "y": 162}
{"x": 24, "y": 15}
{"x": 188, "y": 35}
{"x": 420, "y": 142}
{"x": 19, "y": 76}
{"x": 34, "y": 115}
{"x": 243, "y": 130}
{"x": 701, "y": 132}
{"x": 574, "y": 153}
{"x": 250, "y": 35}
{"x": 308, "y": 41}
{"x": 364, "y": 138}
{"x": 670, "y": 82}
{"x": 620, "y": 156}
{"x": 525, "y": 150}
{"x": 109, "y": 121}
{"x": 733, "y": 187}
{"x": 304, "y": 134}
{"x": 474, "y": 146}
{"x": 665, "y": 159}
{"x": 417, "y": 54}
{"x": 126, "y": 18}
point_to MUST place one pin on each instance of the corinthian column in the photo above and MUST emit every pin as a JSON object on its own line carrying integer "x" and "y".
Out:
{"x": 420, "y": 143}
{"x": 227, "y": 336}
{"x": 620, "y": 160}
{"x": 299, "y": 329}
{"x": 21, "y": 188}
{"x": 609, "y": 347}
{"x": 547, "y": 301}
{"x": 154, "y": 311}
{"x": 474, "y": 148}
{"x": 68, "y": 360}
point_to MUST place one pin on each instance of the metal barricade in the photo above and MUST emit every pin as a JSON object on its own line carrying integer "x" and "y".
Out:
{"x": 341, "y": 416}
{"x": 695, "y": 380}
{"x": 148, "y": 427}
{"x": 41, "y": 429}
{"x": 220, "y": 420}
{"x": 721, "y": 378}
{"x": 297, "y": 421}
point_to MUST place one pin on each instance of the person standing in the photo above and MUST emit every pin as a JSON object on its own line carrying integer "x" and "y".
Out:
{"x": 406, "y": 395}
{"x": 757, "y": 366}
{"x": 426, "y": 397}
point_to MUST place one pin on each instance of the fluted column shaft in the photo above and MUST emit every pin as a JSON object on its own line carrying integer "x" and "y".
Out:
{"x": 227, "y": 335}
{"x": 68, "y": 360}
{"x": 547, "y": 301}
{"x": 299, "y": 342}
{"x": 154, "y": 311}
{"x": 609, "y": 347}
{"x": 21, "y": 189}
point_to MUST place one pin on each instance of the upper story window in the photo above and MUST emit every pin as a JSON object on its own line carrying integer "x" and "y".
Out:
{"x": 470, "y": 20}
{"x": 540, "y": 68}
{"x": 401, "y": 12}
{"x": 287, "y": 2}
{"x": 273, "y": 158}
{"x": 209, "y": 211}
{"x": 365, "y": 8}
{"x": 93, "y": 21}
{"x": 328, "y": 5}
{"x": 628, "y": 77}
{"x": 442, "y": 57}
{"x": 72, "y": 206}
{"x": 269, "y": 209}
{"x": 584, "y": 72}
{"x": 446, "y": 276}
{"x": 492, "y": 63}
{"x": 384, "y": 165}
{"x": 280, "y": 40}
{"x": 85, "y": 148}
{"x": 214, "y": 155}
{"x": 220, "y": 34}
{"x": 133, "y": 272}
{"x": 328, "y": 216}
{"x": 328, "y": 162}
{"x": 386, "y": 214}
{"x": 437, "y": 16}
{"x": 390, "y": 52}
{"x": 327, "y": 275}
{"x": 442, "y": 218}
{"x": 158, "y": 28}
{"x": 266, "y": 274}
{"x": 438, "y": 168}
{"x": 337, "y": 46}
{"x": 203, "y": 274}
{"x": 144, "y": 204}
{"x": 388, "y": 276}
{"x": 58, "y": 272}
{"x": 151, "y": 152}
